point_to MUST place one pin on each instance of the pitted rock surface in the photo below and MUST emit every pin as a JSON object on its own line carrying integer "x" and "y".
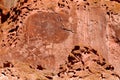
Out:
{"x": 85, "y": 63}
{"x": 39, "y": 35}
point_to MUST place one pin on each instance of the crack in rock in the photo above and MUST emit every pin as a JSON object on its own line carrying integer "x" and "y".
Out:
{"x": 63, "y": 28}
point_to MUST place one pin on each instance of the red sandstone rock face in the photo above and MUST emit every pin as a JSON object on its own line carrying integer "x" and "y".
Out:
{"x": 44, "y": 36}
{"x": 47, "y": 26}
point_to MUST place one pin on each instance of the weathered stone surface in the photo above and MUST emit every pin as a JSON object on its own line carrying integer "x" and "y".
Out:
{"x": 46, "y": 37}
{"x": 91, "y": 66}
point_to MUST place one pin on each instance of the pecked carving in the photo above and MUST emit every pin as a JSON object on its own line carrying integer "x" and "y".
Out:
{"x": 48, "y": 26}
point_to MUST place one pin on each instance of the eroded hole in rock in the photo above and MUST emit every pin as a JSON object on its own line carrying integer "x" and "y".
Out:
{"x": 109, "y": 67}
{"x": 76, "y": 47}
{"x": 71, "y": 59}
{"x": 4, "y": 17}
{"x": 7, "y": 64}
{"x": 48, "y": 26}
{"x": 49, "y": 77}
{"x": 14, "y": 29}
{"x": 39, "y": 67}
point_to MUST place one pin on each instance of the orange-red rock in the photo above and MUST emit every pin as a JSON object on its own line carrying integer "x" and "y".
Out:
{"x": 46, "y": 37}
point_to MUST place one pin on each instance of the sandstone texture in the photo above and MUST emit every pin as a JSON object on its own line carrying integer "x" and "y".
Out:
{"x": 60, "y": 40}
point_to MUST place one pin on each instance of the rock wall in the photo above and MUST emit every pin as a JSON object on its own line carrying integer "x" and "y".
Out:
{"x": 41, "y": 35}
